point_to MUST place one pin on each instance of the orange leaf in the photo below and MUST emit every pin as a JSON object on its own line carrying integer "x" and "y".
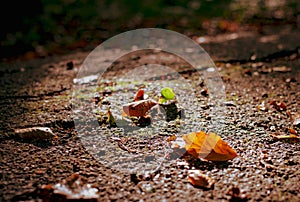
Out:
{"x": 293, "y": 131}
{"x": 208, "y": 146}
{"x": 171, "y": 138}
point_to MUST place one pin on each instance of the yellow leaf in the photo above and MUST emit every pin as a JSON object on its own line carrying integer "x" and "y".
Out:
{"x": 208, "y": 146}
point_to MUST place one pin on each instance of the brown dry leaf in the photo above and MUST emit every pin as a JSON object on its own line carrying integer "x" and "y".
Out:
{"x": 138, "y": 108}
{"x": 208, "y": 146}
{"x": 198, "y": 179}
{"x": 280, "y": 106}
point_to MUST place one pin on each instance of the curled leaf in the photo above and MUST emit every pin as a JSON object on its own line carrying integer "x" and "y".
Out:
{"x": 35, "y": 133}
{"x": 208, "y": 146}
{"x": 111, "y": 120}
{"x": 139, "y": 95}
{"x": 196, "y": 178}
{"x": 138, "y": 108}
{"x": 167, "y": 93}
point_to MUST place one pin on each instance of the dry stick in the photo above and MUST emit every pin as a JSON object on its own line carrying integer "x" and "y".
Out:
{"x": 122, "y": 146}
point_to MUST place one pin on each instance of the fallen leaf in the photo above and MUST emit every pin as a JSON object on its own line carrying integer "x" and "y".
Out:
{"x": 282, "y": 137}
{"x": 208, "y": 146}
{"x": 293, "y": 131}
{"x": 198, "y": 179}
{"x": 111, "y": 120}
{"x": 35, "y": 133}
{"x": 280, "y": 106}
{"x": 138, "y": 108}
{"x": 139, "y": 95}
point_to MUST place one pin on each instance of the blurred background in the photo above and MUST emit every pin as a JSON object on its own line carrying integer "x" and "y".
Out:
{"x": 39, "y": 28}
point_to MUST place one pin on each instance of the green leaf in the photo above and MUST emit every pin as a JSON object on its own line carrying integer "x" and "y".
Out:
{"x": 168, "y": 93}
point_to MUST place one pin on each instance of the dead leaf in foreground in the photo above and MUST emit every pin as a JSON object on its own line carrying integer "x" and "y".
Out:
{"x": 208, "y": 146}
{"x": 196, "y": 178}
{"x": 138, "y": 108}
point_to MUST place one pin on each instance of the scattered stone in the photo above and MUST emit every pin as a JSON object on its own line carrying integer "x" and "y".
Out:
{"x": 204, "y": 92}
{"x": 73, "y": 188}
{"x": 198, "y": 179}
{"x": 296, "y": 122}
{"x": 262, "y": 107}
{"x": 229, "y": 104}
{"x": 237, "y": 194}
{"x": 70, "y": 65}
{"x": 282, "y": 69}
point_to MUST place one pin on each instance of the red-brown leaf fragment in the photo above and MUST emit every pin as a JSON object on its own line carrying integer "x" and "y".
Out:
{"x": 138, "y": 108}
{"x": 280, "y": 106}
{"x": 139, "y": 95}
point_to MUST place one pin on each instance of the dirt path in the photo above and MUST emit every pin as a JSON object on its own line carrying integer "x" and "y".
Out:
{"x": 254, "y": 68}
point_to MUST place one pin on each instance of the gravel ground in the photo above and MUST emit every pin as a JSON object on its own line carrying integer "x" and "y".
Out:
{"x": 37, "y": 93}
